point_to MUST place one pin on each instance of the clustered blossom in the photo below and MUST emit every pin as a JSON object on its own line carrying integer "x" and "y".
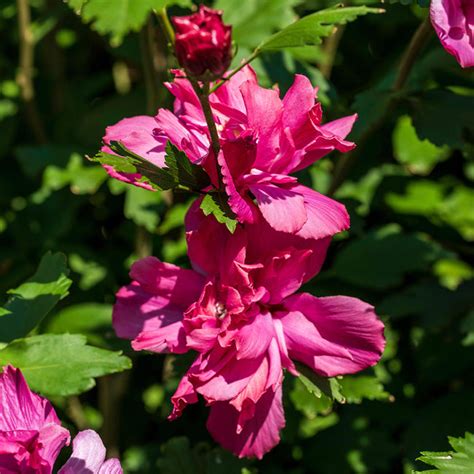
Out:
{"x": 31, "y": 435}
{"x": 453, "y": 21}
{"x": 263, "y": 141}
{"x": 239, "y": 309}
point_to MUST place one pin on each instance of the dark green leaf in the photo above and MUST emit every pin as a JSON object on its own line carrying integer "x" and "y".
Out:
{"x": 443, "y": 117}
{"x": 187, "y": 174}
{"x": 35, "y": 298}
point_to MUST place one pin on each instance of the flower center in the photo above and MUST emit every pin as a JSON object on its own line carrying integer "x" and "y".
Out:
{"x": 220, "y": 310}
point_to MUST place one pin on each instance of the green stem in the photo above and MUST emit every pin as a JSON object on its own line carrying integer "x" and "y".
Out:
{"x": 203, "y": 96}
{"x": 166, "y": 23}
{"x": 254, "y": 55}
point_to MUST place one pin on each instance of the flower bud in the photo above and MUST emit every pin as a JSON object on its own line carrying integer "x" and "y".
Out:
{"x": 203, "y": 43}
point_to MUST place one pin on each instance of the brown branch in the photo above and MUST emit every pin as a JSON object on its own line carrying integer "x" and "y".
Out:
{"x": 330, "y": 50}
{"x": 416, "y": 45}
{"x": 26, "y": 71}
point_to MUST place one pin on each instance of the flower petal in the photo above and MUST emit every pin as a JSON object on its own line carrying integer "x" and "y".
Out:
{"x": 334, "y": 335}
{"x": 88, "y": 454}
{"x": 258, "y": 435}
{"x": 282, "y": 208}
{"x": 150, "y": 310}
{"x": 326, "y": 217}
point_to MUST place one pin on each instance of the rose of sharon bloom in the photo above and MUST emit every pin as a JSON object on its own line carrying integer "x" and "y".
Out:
{"x": 239, "y": 310}
{"x": 263, "y": 141}
{"x": 203, "y": 44}
{"x": 453, "y": 21}
{"x": 88, "y": 456}
{"x": 31, "y": 434}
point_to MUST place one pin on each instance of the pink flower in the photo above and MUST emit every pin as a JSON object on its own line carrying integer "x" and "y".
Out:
{"x": 31, "y": 434}
{"x": 453, "y": 21}
{"x": 240, "y": 311}
{"x": 203, "y": 44}
{"x": 263, "y": 141}
{"x": 88, "y": 456}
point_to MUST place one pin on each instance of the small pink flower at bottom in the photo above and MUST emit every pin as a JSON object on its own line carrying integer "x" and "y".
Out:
{"x": 453, "y": 21}
{"x": 88, "y": 456}
{"x": 31, "y": 434}
{"x": 240, "y": 311}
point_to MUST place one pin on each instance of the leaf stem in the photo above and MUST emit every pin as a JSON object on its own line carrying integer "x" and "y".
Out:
{"x": 253, "y": 56}
{"x": 166, "y": 24}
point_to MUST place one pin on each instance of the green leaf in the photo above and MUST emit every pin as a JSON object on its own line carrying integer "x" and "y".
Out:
{"x": 61, "y": 364}
{"x": 216, "y": 204}
{"x": 461, "y": 460}
{"x": 187, "y": 174}
{"x": 90, "y": 271}
{"x": 161, "y": 177}
{"x": 382, "y": 258}
{"x": 81, "y": 318}
{"x": 35, "y": 298}
{"x": 253, "y": 21}
{"x": 312, "y": 28}
{"x": 119, "y": 17}
{"x": 420, "y": 156}
{"x": 456, "y": 112}
{"x": 142, "y": 207}
{"x": 355, "y": 389}
{"x": 179, "y": 172}
{"x": 318, "y": 385}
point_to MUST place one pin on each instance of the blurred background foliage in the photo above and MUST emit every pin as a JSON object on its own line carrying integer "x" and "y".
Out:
{"x": 70, "y": 68}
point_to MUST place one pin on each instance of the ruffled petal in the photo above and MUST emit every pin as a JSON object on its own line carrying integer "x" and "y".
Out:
{"x": 259, "y": 433}
{"x": 334, "y": 335}
{"x": 326, "y": 217}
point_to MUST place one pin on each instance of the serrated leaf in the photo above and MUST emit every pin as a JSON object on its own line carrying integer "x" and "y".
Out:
{"x": 312, "y": 28}
{"x": 33, "y": 300}
{"x": 216, "y": 204}
{"x": 161, "y": 177}
{"x": 461, "y": 460}
{"x": 61, "y": 365}
{"x": 187, "y": 174}
{"x": 118, "y": 17}
{"x": 356, "y": 389}
{"x": 320, "y": 385}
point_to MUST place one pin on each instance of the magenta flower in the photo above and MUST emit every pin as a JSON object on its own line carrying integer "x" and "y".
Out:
{"x": 31, "y": 434}
{"x": 263, "y": 140}
{"x": 203, "y": 44}
{"x": 88, "y": 456}
{"x": 239, "y": 310}
{"x": 453, "y": 21}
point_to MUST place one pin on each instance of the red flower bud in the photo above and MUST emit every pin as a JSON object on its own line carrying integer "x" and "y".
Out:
{"x": 203, "y": 43}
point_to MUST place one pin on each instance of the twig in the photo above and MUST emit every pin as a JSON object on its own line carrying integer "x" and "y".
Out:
{"x": 25, "y": 70}
{"x": 407, "y": 62}
{"x": 76, "y": 412}
{"x": 330, "y": 49}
